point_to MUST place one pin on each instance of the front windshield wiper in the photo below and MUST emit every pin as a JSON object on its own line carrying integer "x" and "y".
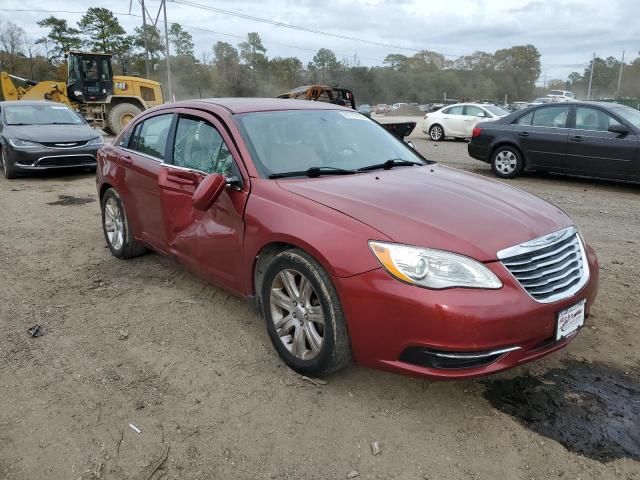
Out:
{"x": 12, "y": 124}
{"x": 314, "y": 172}
{"x": 59, "y": 123}
{"x": 389, "y": 164}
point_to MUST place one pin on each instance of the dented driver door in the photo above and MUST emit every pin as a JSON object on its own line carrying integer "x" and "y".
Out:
{"x": 207, "y": 242}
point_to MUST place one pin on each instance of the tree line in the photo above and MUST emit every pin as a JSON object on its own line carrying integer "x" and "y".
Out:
{"x": 246, "y": 69}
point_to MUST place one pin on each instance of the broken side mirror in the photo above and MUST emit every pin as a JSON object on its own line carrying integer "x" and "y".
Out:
{"x": 208, "y": 191}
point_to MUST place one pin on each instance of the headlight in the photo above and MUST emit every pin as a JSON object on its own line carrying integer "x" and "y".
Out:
{"x": 430, "y": 268}
{"x": 16, "y": 142}
{"x": 96, "y": 141}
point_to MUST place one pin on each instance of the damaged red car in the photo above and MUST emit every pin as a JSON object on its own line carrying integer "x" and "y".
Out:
{"x": 348, "y": 242}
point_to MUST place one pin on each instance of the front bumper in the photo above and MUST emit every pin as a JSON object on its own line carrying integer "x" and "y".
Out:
{"x": 397, "y": 327}
{"x": 47, "y": 158}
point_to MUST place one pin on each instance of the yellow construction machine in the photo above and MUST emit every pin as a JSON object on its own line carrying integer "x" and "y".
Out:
{"x": 104, "y": 100}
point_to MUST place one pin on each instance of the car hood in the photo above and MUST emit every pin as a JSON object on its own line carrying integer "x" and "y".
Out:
{"x": 437, "y": 207}
{"x": 51, "y": 133}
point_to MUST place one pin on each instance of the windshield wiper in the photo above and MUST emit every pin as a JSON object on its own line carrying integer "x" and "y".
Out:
{"x": 389, "y": 164}
{"x": 60, "y": 123}
{"x": 314, "y": 172}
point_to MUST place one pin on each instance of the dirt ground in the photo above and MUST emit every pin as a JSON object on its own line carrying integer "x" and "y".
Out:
{"x": 145, "y": 342}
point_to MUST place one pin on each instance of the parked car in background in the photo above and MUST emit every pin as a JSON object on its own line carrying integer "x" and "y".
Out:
{"x": 365, "y": 109}
{"x": 540, "y": 101}
{"x": 396, "y": 106}
{"x": 561, "y": 96}
{"x": 41, "y": 135}
{"x": 309, "y": 210}
{"x": 594, "y": 139}
{"x": 515, "y": 106}
{"x": 458, "y": 120}
{"x": 382, "y": 108}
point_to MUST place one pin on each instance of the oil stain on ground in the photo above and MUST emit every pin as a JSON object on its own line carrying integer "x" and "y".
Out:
{"x": 71, "y": 200}
{"x": 593, "y": 410}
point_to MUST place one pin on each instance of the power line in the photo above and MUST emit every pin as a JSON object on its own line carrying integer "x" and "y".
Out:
{"x": 296, "y": 27}
{"x": 192, "y": 27}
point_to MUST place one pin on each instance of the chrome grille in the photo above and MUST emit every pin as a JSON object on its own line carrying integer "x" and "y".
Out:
{"x": 549, "y": 268}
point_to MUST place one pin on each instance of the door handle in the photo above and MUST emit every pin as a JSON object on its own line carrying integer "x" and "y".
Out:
{"x": 180, "y": 180}
{"x": 576, "y": 138}
{"x": 523, "y": 134}
{"x": 127, "y": 160}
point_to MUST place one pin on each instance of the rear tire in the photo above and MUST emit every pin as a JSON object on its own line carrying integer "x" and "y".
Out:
{"x": 120, "y": 115}
{"x": 7, "y": 165}
{"x": 436, "y": 132}
{"x": 507, "y": 162}
{"x": 304, "y": 316}
{"x": 116, "y": 227}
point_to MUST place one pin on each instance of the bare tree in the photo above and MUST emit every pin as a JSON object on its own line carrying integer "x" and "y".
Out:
{"x": 12, "y": 42}
{"x": 33, "y": 50}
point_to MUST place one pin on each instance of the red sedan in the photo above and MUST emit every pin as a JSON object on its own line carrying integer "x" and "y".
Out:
{"x": 347, "y": 241}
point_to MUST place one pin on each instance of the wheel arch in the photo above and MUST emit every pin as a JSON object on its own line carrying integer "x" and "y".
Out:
{"x": 264, "y": 257}
{"x": 103, "y": 188}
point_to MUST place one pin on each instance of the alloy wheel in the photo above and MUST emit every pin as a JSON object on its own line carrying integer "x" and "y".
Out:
{"x": 436, "y": 132}
{"x": 506, "y": 162}
{"x": 114, "y": 223}
{"x": 297, "y": 314}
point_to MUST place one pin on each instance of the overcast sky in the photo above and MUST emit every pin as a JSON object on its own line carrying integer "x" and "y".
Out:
{"x": 566, "y": 32}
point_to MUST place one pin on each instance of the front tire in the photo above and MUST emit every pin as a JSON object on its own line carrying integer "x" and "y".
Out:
{"x": 116, "y": 227}
{"x": 507, "y": 162}
{"x": 7, "y": 165}
{"x": 120, "y": 115}
{"x": 304, "y": 316}
{"x": 436, "y": 132}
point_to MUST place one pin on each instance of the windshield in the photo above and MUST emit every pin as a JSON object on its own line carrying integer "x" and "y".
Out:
{"x": 297, "y": 140}
{"x": 497, "y": 111}
{"x": 631, "y": 115}
{"x": 44, "y": 114}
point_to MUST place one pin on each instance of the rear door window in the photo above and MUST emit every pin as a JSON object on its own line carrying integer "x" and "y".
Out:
{"x": 151, "y": 136}
{"x": 457, "y": 110}
{"x": 555, "y": 116}
{"x": 472, "y": 111}
{"x": 525, "y": 119}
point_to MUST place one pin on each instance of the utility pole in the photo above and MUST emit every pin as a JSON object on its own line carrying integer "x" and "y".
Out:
{"x": 593, "y": 64}
{"x": 166, "y": 43}
{"x": 144, "y": 36}
{"x": 620, "y": 77}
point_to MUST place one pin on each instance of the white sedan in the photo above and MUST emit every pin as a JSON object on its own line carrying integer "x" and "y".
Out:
{"x": 459, "y": 120}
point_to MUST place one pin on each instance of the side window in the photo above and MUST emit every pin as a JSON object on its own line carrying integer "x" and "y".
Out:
{"x": 126, "y": 137}
{"x": 525, "y": 119}
{"x": 457, "y": 110}
{"x": 472, "y": 111}
{"x": 199, "y": 146}
{"x": 555, "y": 116}
{"x": 593, "y": 119}
{"x": 151, "y": 136}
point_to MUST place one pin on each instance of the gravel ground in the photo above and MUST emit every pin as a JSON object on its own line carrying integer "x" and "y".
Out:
{"x": 145, "y": 342}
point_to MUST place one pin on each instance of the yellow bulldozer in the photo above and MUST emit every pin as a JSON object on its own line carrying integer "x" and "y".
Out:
{"x": 104, "y": 100}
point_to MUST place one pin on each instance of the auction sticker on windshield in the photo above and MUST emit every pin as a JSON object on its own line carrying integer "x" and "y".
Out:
{"x": 570, "y": 319}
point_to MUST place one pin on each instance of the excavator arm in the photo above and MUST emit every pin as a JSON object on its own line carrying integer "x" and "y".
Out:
{"x": 32, "y": 90}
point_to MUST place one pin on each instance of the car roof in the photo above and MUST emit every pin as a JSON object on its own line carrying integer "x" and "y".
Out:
{"x": 592, "y": 103}
{"x": 245, "y": 105}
